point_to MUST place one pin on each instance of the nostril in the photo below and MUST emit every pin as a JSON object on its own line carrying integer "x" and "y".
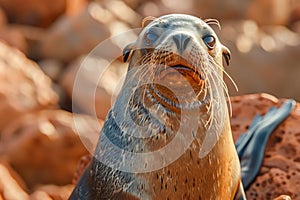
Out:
{"x": 181, "y": 41}
{"x": 177, "y": 39}
{"x": 186, "y": 40}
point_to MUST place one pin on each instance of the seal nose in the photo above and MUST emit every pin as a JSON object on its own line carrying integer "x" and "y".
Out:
{"x": 181, "y": 40}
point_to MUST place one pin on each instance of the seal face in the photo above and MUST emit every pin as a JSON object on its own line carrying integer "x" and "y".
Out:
{"x": 168, "y": 134}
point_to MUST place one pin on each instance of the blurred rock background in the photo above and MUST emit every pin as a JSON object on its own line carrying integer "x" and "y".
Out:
{"x": 43, "y": 43}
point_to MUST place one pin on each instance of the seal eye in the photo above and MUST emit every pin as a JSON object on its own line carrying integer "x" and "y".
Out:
{"x": 150, "y": 38}
{"x": 209, "y": 41}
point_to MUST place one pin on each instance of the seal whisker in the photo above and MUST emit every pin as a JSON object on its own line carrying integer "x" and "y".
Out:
{"x": 224, "y": 84}
{"x": 230, "y": 78}
{"x": 213, "y": 21}
{"x": 217, "y": 106}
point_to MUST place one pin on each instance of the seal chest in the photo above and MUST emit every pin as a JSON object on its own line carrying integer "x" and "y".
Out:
{"x": 168, "y": 134}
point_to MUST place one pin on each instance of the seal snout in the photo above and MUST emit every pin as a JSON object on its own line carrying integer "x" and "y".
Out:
{"x": 181, "y": 40}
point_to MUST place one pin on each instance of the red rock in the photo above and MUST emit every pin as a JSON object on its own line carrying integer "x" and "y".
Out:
{"x": 123, "y": 12}
{"x": 32, "y": 35}
{"x": 283, "y": 197}
{"x": 264, "y": 12}
{"x": 23, "y": 86}
{"x": 11, "y": 35}
{"x": 278, "y": 12}
{"x": 75, "y": 6}
{"x": 220, "y": 9}
{"x": 9, "y": 186}
{"x": 73, "y": 36}
{"x": 280, "y": 171}
{"x": 57, "y": 192}
{"x": 133, "y": 4}
{"x": 295, "y": 13}
{"x": 44, "y": 147}
{"x": 3, "y": 19}
{"x": 33, "y": 12}
{"x": 53, "y": 68}
{"x": 257, "y": 53}
{"x": 38, "y": 195}
{"x": 14, "y": 38}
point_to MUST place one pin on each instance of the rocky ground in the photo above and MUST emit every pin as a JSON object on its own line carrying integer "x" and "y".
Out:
{"x": 42, "y": 48}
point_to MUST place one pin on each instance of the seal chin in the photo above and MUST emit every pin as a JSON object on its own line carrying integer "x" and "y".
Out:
{"x": 179, "y": 76}
{"x": 180, "y": 73}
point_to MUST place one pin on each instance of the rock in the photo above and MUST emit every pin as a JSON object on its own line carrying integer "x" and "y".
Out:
{"x": 150, "y": 8}
{"x": 295, "y": 13}
{"x": 280, "y": 171}
{"x": 12, "y": 34}
{"x": 33, "y": 12}
{"x": 44, "y": 147}
{"x": 220, "y": 9}
{"x": 263, "y": 59}
{"x": 76, "y": 35}
{"x": 53, "y": 68}
{"x": 13, "y": 37}
{"x": 123, "y": 12}
{"x": 278, "y": 12}
{"x": 57, "y": 192}
{"x": 23, "y": 86}
{"x": 37, "y": 195}
{"x": 3, "y": 19}
{"x": 157, "y": 8}
{"x": 283, "y": 197}
{"x": 133, "y": 4}
{"x": 73, "y": 36}
{"x": 30, "y": 35}
{"x": 75, "y": 6}
{"x": 105, "y": 89}
{"x": 9, "y": 186}
{"x": 264, "y": 12}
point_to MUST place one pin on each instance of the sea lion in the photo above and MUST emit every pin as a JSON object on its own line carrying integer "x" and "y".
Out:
{"x": 168, "y": 134}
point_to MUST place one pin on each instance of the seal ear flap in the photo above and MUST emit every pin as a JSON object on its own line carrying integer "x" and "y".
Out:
{"x": 127, "y": 51}
{"x": 226, "y": 54}
{"x": 147, "y": 20}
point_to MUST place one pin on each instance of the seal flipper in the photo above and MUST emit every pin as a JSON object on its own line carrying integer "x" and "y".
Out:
{"x": 80, "y": 192}
{"x": 251, "y": 146}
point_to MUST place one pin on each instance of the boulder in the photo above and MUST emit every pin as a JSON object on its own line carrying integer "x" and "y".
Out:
{"x": 33, "y": 12}
{"x": 44, "y": 147}
{"x": 14, "y": 37}
{"x": 72, "y": 36}
{"x": 264, "y": 59}
{"x": 269, "y": 12}
{"x": 73, "y": 7}
{"x": 53, "y": 68}
{"x": 23, "y": 86}
{"x": 3, "y": 18}
{"x": 55, "y": 192}
{"x": 280, "y": 171}
{"x": 123, "y": 12}
{"x": 11, "y": 184}
{"x": 37, "y": 195}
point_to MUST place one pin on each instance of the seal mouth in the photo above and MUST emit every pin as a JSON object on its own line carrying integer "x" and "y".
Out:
{"x": 186, "y": 70}
{"x": 181, "y": 71}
